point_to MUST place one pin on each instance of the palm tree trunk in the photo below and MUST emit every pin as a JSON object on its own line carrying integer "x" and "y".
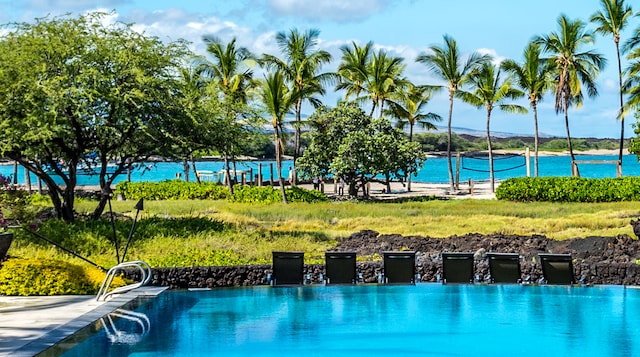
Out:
{"x": 491, "y": 173}
{"x": 535, "y": 138}
{"x": 450, "y": 165}
{"x": 566, "y": 123}
{"x": 227, "y": 172}
{"x": 621, "y": 106}
{"x": 296, "y": 150}
{"x": 409, "y": 169}
{"x": 279, "y": 162}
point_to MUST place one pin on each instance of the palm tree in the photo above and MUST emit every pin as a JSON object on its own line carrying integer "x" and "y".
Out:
{"x": 611, "y": 20}
{"x": 446, "y": 62}
{"x": 573, "y": 68}
{"x": 278, "y": 101}
{"x": 301, "y": 67}
{"x": 534, "y": 77}
{"x": 490, "y": 91}
{"x": 232, "y": 71}
{"x": 408, "y": 108}
{"x": 384, "y": 78}
{"x": 353, "y": 70}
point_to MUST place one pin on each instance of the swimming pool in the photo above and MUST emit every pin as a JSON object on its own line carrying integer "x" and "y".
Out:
{"x": 372, "y": 320}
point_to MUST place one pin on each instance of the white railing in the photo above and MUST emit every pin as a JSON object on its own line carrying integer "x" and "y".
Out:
{"x": 145, "y": 273}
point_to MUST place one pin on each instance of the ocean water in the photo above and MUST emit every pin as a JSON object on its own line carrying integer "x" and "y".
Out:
{"x": 434, "y": 170}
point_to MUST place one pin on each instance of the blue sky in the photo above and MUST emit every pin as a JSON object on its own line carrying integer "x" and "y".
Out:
{"x": 405, "y": 28}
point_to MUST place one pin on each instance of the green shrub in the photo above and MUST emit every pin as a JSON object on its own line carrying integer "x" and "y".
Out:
{"x": 569, "y": 189}
{"x": 26, "y": 277}
{"x": 268, "y": 194}
{"x": 199, "y": 257}
{"x": 172, "y": 190}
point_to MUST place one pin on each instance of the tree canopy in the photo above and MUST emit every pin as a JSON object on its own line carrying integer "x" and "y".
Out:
{"x": 80, "y": 94}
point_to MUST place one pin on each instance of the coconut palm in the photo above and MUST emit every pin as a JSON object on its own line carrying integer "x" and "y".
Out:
{"x": 491, "y": 91}
{"x": 278, "y": 101}
{"x": 383, "y": 79}
{"x": 447, "y": 63}
{"x": 611, "y": 20}
{"x": 573, "y": 68}
{"x": 301, "y": 68}
{"x": 231, "y": 68}
{"x": 353, "y": 70}
{"x": 533, "y": 76}
{"x": 407, "y": 107}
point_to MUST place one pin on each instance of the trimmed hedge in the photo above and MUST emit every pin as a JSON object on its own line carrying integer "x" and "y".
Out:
{"x": 181, "y": 190}
{"x": 569, "y": 189}
{"x": 27, "y": 277}
{"x": 172, "y": 190}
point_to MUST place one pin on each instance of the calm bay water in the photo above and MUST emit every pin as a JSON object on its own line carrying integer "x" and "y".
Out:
{"x": 434, "y": 170}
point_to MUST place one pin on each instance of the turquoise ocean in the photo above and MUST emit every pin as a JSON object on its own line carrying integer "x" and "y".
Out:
{"x": 434, "y": 170}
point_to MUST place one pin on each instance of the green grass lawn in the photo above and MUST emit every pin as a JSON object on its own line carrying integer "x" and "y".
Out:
{"x": 192, "y": 233}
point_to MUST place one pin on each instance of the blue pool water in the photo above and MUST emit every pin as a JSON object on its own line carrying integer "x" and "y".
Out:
{"x": 427, "y": 320}
{"x": 435, "y": 170}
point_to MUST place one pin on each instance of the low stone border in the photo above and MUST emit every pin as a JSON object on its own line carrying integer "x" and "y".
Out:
{"x": 252, "y": 275}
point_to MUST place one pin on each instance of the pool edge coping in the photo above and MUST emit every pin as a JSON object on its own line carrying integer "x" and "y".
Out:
{"x": 59, "y": 333}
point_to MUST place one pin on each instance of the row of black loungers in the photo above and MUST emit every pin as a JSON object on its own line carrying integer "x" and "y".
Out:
{"x": 399, "y": 268}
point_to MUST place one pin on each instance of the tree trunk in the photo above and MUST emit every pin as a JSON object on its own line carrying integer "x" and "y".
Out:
{"x": 492, "y": 181}
{"x": 535, "y": 138}
{"x": 621, "y": 105}
{"x": 450, "y": 165}
{"x": 227, "y": 173}
{"x": 195, "y": 170}
{"x": 566, "y": 123}
{"x": 409, "y": 169}
{"x": 296, "y": 149}
{"x": 388, "y": 182}
{"x": 279, "y": 163}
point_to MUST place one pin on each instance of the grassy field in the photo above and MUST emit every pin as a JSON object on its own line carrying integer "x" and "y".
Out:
{"x": 190, "y": 233}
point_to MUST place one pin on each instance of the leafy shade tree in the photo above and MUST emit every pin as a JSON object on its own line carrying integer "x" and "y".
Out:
{"x": 353, "y": 70}
{"x": 77, "y": 91}
{"x": 611, "y": 20}
{"x": 348, "y": 143}
{"x": 573, "y": 68}
{"x": 278, "y": 101}
{"x": 447, "y": 63}
{"x": 301, "y": 68}
{"x": 407, "y": 107}
{"x": 534, "y": 77}
{"x": 489, "y": 90}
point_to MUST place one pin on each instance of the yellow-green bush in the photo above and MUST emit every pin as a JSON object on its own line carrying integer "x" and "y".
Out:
{"x": 26, "y": 277}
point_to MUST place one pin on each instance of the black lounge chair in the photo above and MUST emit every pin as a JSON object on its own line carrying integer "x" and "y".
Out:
{"x": 288, "y": 268}
{"x": 5, "y": 242}
{"x": 399, "y": 267}
{"x": 457, "y": 267}
{"x": 340, "y": 267}
{"x": 557, "y": 268}
{"x": 504, "y": 267}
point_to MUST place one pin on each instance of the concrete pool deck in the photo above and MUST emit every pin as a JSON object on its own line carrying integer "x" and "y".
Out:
{"x": 30, "y": 325}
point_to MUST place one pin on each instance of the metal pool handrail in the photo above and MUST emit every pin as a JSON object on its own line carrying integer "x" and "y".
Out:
{"x": 145, "y": 271}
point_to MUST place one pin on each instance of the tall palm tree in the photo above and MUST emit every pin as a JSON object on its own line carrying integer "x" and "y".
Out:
{"x": 407, "y": 107}
{"x": 490, "y": 91}
{"x": 611, "y": 20}
{"x": 278, "y": 101}
{"x": 301, "y": 67}
{"x": 573, "y": 68}
{"x": 447, "y": 63}
{"x": 383, "y": 79}
{"x": 231, "y": 68}
{"x": 533, "y": 76}
{"x": 353, "y": 70}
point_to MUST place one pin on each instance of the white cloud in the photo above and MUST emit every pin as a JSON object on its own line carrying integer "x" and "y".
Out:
{"x": 334, "y": 10}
